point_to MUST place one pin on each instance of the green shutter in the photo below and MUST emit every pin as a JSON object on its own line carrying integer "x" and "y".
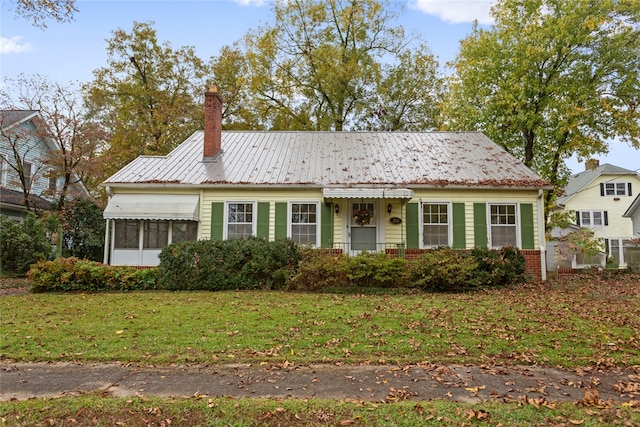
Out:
{"x": 459, "y": 232}
{"x": 281, "y": 219}
{"x": 217, "y": 220}
{"x": 262, "y": 229}
{"x": 480, "y": 225}
{"x": 526, "y": 226}
{"x": 413, "y": 224}
{"x": 326, "y": 225}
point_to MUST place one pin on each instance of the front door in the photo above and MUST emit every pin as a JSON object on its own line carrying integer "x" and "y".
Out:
{"x": 363, "y": 227}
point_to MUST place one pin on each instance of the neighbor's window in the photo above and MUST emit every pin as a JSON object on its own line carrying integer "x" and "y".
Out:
{"x": 615, "y": 188}
{"x": 504, "y": 225}
{"x": 590, "y": 218}
{"x": 126, "y": 234}
{"x": 4, "y": 166}
{"x": 435, "y": 224}
{"x": 304, "y": 223}
{"x": 155, "y": 234}
{"x": 240, "y": 220}
{"x": 27, "y": 170}
{"x": 183, "y": 231}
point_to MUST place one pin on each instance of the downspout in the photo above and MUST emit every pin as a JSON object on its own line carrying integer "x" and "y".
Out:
{"x": 107, "y": 240}
{"x": 541, "y": 236}
{"x": 105, "y": 257}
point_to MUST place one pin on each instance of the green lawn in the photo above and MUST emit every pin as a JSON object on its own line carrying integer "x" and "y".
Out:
{"x": 580, "y": 322}
{"x": 564, "y": 325}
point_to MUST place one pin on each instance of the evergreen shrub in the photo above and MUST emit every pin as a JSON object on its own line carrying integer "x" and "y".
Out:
{"x": 22, "y": 245}
{"x": 444, "y": 269}
{"x": 251, "y": 263}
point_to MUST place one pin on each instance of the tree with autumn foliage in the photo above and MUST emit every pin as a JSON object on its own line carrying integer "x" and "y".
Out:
{"x": 339, "y": 65}
{"x": 149, "y": 95}
{"x": 77, "y": 135}
{"x": 39, "y": 11}
{"x": 551, "y": 79}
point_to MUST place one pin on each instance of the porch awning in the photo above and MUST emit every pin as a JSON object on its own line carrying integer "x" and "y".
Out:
{"x": 367, "y": 193}
{"x": 153, "y": 206}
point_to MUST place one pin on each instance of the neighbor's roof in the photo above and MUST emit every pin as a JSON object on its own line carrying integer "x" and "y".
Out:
{"x": 10, "y": 117}
{"x": 325, "y": 159}
{"x": 581, "y": 180}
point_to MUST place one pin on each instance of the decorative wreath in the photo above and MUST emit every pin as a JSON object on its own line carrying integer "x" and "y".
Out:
{"x": 362, "y": 217}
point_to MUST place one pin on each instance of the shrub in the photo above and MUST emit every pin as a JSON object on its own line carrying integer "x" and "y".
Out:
{"x": 319, "y": 270}
{"x": 252, "y": 263}
{"x": 22, "y": 245}
{"x": 377, "y": 270}
{"x": 499, "y": 267}
{"x": 83, "y": 229}
{"x": 443, "y": 269}
{"x": 73, "y": 274}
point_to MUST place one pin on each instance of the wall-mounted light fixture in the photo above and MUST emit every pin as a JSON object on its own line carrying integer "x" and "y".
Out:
{"x": 389, "y": 208}
{"x": 337, "y": 209}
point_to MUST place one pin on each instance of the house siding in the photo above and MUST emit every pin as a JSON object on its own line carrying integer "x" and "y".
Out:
{"x": 590, "y": 199}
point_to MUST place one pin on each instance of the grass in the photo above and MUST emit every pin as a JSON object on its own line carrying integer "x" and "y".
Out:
{"x": 196, "y": 411}
{"x": 574, "y": 323}
{"x": 570, "y": 325}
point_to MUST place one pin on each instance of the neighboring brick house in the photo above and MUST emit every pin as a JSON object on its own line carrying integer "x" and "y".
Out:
{"x": 600, "y": 195}
{"x": 23, "y": 137}
{"x": 397, "y": 192}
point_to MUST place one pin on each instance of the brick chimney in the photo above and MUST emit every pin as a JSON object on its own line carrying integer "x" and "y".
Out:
{"x": 212, "y": 122}
{"x": 591, "y": 164}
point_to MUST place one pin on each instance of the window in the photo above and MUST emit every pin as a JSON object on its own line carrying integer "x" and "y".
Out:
{"x": 155, "y": 234}
{"x": 435, "y": 224}
{"x": 240, "y": 220}
{"x": 53, "y": 185}
{"x": 615, "y": 189}
{"x": 591, "y": 218}
{"x": 4, "y": 166}
{"x": 304, "y": 223}
{"x": 504, "y": 225}
{"x": 26, "y": 170}
{"x": 183, "y": 231}
{"x": 126, "y": 234}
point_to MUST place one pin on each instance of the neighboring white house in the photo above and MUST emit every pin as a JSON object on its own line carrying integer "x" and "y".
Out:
{"x": 600, "y": 196}
{"x": 22, "y": 137}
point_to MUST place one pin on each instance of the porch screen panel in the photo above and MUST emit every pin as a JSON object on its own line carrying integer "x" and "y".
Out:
{"x": 263, "y": 220}
{"x": 155, "y": 234}
{"x": 526, "y": 226}
{"x": 281, "y": 219}
{"x": 459, "y": 229}
{"x": 480, "y": 225}
{"x": 413, "y": 225}
{"x": 217, "y": 220}
{"x": 127, "y": 234}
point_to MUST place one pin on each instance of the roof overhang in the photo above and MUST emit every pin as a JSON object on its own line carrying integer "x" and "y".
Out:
{"x": 153, "y": 206}
{"x": 367, "y": 193}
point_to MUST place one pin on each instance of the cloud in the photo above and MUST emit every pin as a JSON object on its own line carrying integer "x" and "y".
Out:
{"x": 14, "y": 45}
{"x": 456, "y": 11}
{"x": 257, "y": 3}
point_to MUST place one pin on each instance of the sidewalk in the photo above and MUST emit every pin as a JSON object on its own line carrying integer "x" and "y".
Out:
{"x": 369, "y": 383}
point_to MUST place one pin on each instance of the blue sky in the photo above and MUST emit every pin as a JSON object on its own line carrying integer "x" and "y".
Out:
{"x": 71, "y": 51}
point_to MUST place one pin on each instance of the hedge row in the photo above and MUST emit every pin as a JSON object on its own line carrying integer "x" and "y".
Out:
{"x": 256, "y": 263}
{"x": 73, "y": 274}
{"x": 441, "y": 269}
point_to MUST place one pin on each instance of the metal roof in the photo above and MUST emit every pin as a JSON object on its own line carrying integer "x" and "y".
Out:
{"x": 335, "y": 159}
